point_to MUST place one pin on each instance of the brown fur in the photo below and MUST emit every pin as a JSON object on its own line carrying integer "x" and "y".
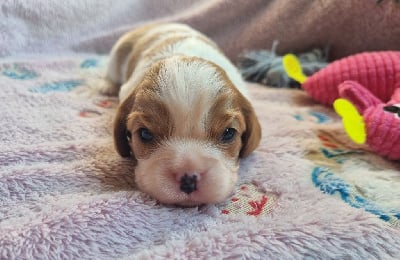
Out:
{"x": 129, "y": 106}
{"x": 142, "y": 109}
{"x": 127, "y": 44}
{"x": 151, "y": 114}
{"x": 251, "y": 134}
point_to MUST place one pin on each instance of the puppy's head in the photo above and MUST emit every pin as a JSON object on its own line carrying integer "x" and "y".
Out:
{"x": 186, "y": 125}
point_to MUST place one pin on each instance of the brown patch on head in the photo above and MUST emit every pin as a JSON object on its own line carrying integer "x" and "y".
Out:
{"x": 225, "y": 116}
{"x": 143, "y": 45}
{"x": 232, "y": 109}
{"x": 141, "y": 109}
{"x": 150, "y": 114}
{"x": 127, "y": 44}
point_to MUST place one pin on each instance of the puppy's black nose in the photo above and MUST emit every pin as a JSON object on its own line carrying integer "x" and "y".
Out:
{"x": 188, "y": 183}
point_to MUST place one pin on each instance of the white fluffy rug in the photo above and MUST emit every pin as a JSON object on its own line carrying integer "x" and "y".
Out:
{"x": 307, "y": 192}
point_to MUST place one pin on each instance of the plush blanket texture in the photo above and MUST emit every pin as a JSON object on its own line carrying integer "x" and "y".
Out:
{"x": 65, "y": 193}
{"x": 307, "y": 191}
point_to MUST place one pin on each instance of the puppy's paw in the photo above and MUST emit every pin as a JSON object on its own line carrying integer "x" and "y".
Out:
{"x": 108, "y": 87}
{"x": 94, "y": 87}
{"x": 96, "y": 84}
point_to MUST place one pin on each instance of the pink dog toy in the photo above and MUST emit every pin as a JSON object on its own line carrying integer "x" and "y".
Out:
{"x": 365, "y": 91}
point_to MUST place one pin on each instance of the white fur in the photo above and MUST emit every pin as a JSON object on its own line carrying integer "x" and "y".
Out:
{"x": 217, "y": 175}
{"x": 190, "y": 97}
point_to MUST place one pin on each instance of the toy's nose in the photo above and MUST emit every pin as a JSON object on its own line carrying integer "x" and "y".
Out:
{"x": 188, "y": 183}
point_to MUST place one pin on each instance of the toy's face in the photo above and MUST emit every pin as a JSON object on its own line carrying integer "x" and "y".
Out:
{"x": 395, "y": 109}
{"x": 378, "y": 126}
{"x": 383, "y": 130}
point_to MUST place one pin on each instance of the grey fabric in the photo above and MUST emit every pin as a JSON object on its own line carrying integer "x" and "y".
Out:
{"x": 348, "y": 27}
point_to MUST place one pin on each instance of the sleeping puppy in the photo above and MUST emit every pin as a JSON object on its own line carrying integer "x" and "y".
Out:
{"x": 184, "y": 114}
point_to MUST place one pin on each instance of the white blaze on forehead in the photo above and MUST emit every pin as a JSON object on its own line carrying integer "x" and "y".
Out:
{"x": 200, "y": 153}
{"x": 189, "y": 90}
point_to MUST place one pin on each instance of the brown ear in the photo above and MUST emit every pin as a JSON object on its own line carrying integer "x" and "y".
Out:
{"x": 252, "y": 136}
{"x": 120, "y": 128}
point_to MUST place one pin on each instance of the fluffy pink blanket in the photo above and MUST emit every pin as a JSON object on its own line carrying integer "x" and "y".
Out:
{"x": 307, "y": 192}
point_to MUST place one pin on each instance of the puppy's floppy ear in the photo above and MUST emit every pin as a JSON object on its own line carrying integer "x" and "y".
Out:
{"x": 252, "y": 136}
{"x": 120, "y": 128}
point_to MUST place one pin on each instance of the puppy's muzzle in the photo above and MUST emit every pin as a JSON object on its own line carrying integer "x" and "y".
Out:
{"x": 188, "y": 183}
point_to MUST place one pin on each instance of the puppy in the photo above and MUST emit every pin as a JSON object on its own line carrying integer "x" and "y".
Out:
{"x": 184, "y": 114}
